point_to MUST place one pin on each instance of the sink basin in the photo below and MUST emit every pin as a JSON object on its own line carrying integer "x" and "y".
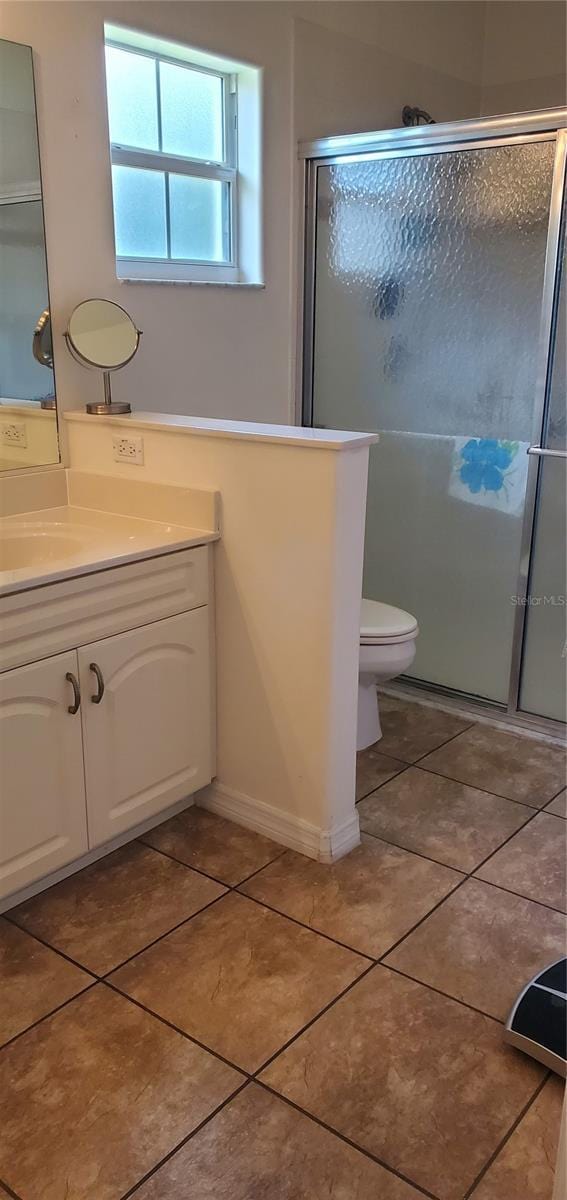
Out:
{"x": 35, "y": 547}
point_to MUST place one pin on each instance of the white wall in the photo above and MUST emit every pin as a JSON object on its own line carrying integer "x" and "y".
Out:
{"x": 524, "y": 56}
{"x": 357, "y": 64}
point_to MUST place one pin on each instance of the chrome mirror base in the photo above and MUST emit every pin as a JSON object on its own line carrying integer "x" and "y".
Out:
{"x": 114, "y": 409}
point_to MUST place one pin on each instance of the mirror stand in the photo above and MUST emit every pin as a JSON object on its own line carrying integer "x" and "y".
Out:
{"x": 109, "y": 407}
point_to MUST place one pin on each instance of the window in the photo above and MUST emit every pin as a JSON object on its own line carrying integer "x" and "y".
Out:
{"x": 174, "y": 155}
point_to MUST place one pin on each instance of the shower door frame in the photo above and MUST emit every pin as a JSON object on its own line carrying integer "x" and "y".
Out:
{"x": 482, "y": 133}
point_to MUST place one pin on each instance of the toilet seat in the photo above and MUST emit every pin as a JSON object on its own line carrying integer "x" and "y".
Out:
{"x": 383, "y": 624}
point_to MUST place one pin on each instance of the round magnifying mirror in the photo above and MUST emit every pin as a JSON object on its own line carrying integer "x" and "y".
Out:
{"x": 42, "y": 345}
{"x": 102, "y": 334}
{"x": 42, "y": 349}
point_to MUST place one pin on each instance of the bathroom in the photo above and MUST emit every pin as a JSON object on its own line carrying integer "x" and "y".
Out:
{"x": 264, "y": 925}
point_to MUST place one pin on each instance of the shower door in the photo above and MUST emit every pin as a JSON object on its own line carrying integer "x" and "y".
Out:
{"x": 426, "y": 274}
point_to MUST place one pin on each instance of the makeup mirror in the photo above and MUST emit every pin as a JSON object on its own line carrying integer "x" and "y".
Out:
{"x": 101, "y": 334}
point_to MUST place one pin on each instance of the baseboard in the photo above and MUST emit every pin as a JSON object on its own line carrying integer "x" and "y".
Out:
{"x": 324, "y": 845}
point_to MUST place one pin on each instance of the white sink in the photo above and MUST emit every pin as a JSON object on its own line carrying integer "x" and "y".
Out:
{"x": 36, "y": 546}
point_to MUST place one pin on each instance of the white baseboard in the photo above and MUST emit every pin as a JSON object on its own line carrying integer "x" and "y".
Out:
{"x": 325, "y": 845}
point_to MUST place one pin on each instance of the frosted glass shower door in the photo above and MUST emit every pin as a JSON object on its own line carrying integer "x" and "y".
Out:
{"x": 544, "y": 664}
{"x": 428, "y": 284}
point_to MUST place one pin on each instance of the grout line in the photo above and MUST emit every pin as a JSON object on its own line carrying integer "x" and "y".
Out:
{"x": 161, "y": 937}
{"x": 49, "y": 946}
{"x": 268, "y": 1062}
{"x": 131, "y": 1191}
{"x": 10, "y": 1191}
{"x": 520, "y": 895}
{"x": 507, "y": 1136}
{"x": 379, "y": 837}
{"x": 444, "y": 743}
{"x": 16, "y": 1037}
{"x": 422, "y": 920}
{"x": 455, "y": 999}
{"x": 176, "y": 1028}
{"x": 235, "y": 886}
{"x": 206, "y": 874}
{"x": 343, "y": 1138}
{"x": 487, "y": 791}
{"x": 405, "y": 766}
{"x": 310, "y": 928}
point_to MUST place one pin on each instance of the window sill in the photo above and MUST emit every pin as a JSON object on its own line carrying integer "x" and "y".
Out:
{"x": 208, "y": 283}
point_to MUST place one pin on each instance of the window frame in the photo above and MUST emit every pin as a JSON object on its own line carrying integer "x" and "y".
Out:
{"x": 226, "y": 172}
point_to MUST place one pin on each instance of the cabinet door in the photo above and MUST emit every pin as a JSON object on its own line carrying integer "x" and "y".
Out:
{"x": 42, "y": 793}
{"x": 146, "y": 721}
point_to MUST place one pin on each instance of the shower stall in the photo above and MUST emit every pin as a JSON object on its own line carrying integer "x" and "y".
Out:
{"x": 434, "y": 314}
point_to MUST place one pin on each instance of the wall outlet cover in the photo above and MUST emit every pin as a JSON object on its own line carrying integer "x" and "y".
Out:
{"x": 128, "y": 449}
{"x": 13, "y": 433}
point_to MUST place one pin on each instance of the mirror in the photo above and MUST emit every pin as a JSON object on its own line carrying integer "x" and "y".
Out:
{"x": 102, "y": 334}
{"x": 28, "y": 420}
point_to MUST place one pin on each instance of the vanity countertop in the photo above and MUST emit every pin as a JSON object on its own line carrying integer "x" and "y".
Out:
{"x": 57, "y": 543}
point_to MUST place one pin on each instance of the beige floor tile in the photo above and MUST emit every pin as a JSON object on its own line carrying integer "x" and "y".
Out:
{"x": 520, "y": 768}
{"x": 533, "y": 863}
{"x": 240, "y": 978}
{"x": 210, "y": 844}
{"x": 367, "y": 900}
{"x": 258, "y": 1148}
{"x": 33, "y": 980}
{"x": 559, "y": 805}
{"x": 457, "y": 825}
{"x": 482, "y": 946}
{"x": 524, "y": 1169}
{"x": 410, "y": 730}
{"x": 110, "y": 910}
{"x": 415, "y": 1078}
{"x": 98, "y": 1093}
{"x": 373, "y": 769}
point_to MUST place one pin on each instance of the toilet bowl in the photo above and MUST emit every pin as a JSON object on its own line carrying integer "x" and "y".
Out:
{"x": 387, "y": 649}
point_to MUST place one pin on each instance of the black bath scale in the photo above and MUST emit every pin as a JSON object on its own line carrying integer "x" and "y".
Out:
{"x": 538, "y": 1021}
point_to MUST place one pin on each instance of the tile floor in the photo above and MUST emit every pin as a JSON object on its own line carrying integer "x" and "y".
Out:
{"x": 203, "y": 1014}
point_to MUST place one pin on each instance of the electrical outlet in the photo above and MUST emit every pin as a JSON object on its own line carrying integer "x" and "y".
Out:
{"x": 128, "y": 449}
{"x": 14, "y": 434}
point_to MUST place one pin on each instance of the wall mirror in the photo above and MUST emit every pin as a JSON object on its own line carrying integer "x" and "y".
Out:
{"x": 28, "y": 417}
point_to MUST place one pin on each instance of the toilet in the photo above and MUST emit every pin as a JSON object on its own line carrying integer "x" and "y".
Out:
{"x": 387, "y": 649}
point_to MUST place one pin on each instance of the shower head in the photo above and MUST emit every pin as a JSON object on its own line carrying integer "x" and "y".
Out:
{"x": 416, "y": 116}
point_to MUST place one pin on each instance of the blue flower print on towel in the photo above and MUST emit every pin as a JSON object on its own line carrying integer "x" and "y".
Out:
{"x": 485, "y": 462}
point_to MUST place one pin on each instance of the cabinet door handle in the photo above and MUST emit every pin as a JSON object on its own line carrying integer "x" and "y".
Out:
{"x": 94, "y": 667}
{"x": 74, "y": 707}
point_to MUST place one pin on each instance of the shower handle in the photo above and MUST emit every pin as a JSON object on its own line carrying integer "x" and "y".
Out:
{"x": 543, "y": 453}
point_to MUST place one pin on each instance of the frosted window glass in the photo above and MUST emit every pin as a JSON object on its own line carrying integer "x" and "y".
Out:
{"x": 191, "y": 113}
{"x": 139, "y": 212}
{"x": 132, "y": 99}
{"x": 196, "y": 217}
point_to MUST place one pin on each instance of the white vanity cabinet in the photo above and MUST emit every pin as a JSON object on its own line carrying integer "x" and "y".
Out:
{"x": 141, "y": 733}
{"x": 146, "y": 721}
{"x": 43, "y": 820}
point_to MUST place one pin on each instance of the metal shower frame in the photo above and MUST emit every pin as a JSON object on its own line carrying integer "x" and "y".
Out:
{"x": 515, "y": 128}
